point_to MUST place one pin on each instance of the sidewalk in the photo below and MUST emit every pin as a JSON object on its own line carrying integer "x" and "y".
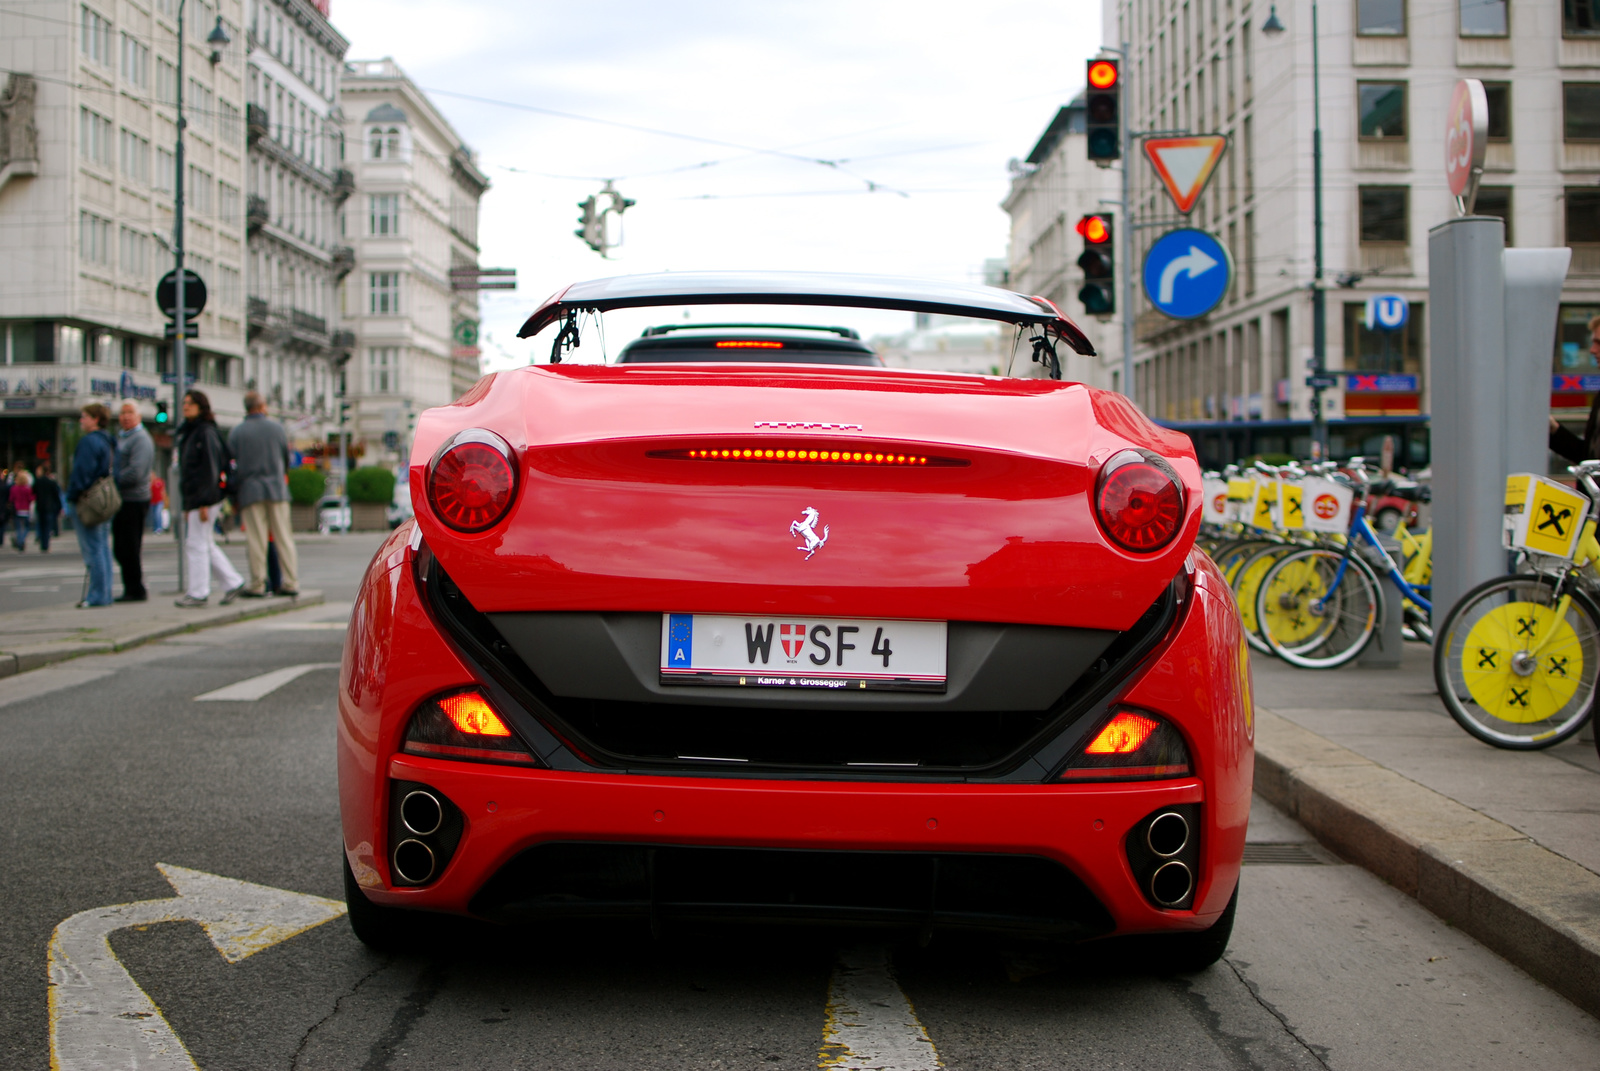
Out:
{"x": 40, "y": 623}
{"x": 1504, "y": 845}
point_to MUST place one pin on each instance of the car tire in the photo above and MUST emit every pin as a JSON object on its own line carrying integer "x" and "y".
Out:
{"x": 382, "y": 929}
{"x": 1187, "y": 953}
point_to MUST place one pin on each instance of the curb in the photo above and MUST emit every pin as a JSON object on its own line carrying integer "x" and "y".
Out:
{"x": 36, "y": 656}
{"x": 1537, "y": 909}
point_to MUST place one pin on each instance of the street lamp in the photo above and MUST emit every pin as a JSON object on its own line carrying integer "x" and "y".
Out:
{"x": 1273, "y": 27}
{"x": 218, "y": 39}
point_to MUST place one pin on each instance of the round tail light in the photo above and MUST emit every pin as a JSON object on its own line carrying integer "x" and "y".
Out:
{"x": 1139, "y": 502}
{"x": 472, "y": 480}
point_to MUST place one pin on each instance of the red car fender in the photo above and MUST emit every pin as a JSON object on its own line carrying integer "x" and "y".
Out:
{"x": 1200, "y": 680}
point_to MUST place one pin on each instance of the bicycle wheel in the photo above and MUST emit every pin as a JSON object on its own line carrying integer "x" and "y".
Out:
{"x": 1229, "y": 556}
{"x": 1246, "y": 584}
{"x": 1312, "y": 617}
{"x": 1513, "y": 673}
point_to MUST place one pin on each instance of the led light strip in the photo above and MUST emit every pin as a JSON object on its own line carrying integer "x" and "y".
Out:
{"x": 750, "y": 345}
{"x": 808, "y": 456}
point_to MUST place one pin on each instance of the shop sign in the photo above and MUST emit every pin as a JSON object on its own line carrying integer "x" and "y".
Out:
{"x": 1574, "y": 384}
{"x": 1371, "y": 383}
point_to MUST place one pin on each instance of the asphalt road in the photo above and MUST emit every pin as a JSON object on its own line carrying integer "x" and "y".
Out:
{"x": 110, "y": 766}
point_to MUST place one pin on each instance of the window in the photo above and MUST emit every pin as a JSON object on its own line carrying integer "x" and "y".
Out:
{"x": 1390, "y": 352}
{"x": 1581, "y": 111}
{"x": 1383, "y": 109}
{"x": 1499, "y": 97}
{"x": 1381, "y": 18}
{"x": 1483, "y": 18}
{"x": 385, "y": 213}
{"x": 166, "y": 82}
{"x": 199, "y": 192}
{"x": 385, "y": 293}
{"x": 135, "y": 157}
{"x": 385, "y": 144}
{"x": 96, "y": 38}
{"x": 1384, "y": 215}
{"x": 135, "y": 62}
{"x": 1583, "y": 215}
{"x": 383, "y": 369}
{"x": 1495, "y": 201}
{"x": 1572, "y": 341}
{"x": 135, "y": 249}
{"x": 168, "y": 8}
{"x": 94, "y": 239}
{"x": 166, "y": 166}
{"x": 202, "y": 106}
{"x": 94, "y": 137}
{"x": 227, "y": 203}
{"x": 227, "y": 121}
{"x": 228, "y": 287}
{"x": 1580, "y": 18}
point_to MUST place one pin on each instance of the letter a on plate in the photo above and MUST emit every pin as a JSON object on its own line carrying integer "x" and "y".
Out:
{"x": 1185, "y": 165}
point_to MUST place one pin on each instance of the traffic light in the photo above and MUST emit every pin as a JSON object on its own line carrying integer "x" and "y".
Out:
{"x": 1103, "y": 112}
{"x": 1099, "y": 293}
{"x": 161, "y": 413}
{"x": 344, "y": 413}
{"x": 592, "y": 225}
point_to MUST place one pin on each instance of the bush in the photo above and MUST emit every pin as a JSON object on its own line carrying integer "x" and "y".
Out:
{"x": 305, "y": 486}
{"x": 370, "y": 483}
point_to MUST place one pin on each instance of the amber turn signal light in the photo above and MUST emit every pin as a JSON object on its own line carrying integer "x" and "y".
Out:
{"x": 464, "y": 725}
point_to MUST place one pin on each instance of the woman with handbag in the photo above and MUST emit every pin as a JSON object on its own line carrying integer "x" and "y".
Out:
{"x": 90, "y": 492}
{"x": 203, "y": 463}
{"x": 21, "y": 506}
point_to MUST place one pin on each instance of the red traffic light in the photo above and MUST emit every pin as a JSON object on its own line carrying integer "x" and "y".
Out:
{"x": 1102, "y": 74}
{"x": 1094, "y": 230}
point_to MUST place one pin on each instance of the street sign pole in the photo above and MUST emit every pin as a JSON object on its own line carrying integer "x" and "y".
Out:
{"x": 1319, "y": 296}
{"x": 1125, "y": 253}
{"x": 180, "y": 348}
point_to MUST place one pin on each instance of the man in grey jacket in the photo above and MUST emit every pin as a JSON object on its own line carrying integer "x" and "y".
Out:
{"x": 131, "y": 465}
{"x": 260, "y": 449}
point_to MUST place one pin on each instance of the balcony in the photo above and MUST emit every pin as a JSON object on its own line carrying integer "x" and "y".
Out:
{"x": 342, "y": 340}
{"x": 257, "y": 125}
{"x": 344, "y": 261}
{"x": 344, "y": 184}
{"x": 305, "y": 321}
{"x": 255, "y": 212}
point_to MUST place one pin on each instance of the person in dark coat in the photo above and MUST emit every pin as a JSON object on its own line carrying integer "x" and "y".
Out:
{"x": 1564, "y": 442}
{"x": 91, "y": 462}
{"x": 135, "y": 454}
{"x": 46, "y": 505}
{"x": 203, "y": 462}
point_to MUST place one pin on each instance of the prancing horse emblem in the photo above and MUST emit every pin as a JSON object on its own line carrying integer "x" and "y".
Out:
{"x": 806, "y": 528}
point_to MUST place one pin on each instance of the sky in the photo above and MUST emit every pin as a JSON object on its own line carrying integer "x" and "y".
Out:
{"x": 829, "y": 135}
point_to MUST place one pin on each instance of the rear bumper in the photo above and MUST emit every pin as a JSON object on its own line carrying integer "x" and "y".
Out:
{"x": 1082, "y": 828}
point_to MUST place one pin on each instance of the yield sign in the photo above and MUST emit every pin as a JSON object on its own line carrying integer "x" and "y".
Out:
{"x": 1185, "y": 164}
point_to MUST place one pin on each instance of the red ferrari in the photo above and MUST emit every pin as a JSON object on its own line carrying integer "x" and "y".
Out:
{"x": 741, "y": 624}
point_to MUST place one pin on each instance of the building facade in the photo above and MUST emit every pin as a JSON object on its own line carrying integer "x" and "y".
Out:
{"x": 87, "y": 175}
{"x": 1051, "y": 190}
{"x": 297, "y": 184}
{"x": 1235, "y": 379}
{"x": 413, "y": 223}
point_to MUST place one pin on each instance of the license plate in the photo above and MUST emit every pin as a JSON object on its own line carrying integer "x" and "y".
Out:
{"x": 835, "y": 654}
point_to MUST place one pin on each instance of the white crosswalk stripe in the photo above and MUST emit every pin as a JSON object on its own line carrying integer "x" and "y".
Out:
{"x": 248, "y": 691}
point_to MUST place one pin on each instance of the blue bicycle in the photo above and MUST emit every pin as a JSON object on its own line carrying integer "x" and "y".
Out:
{"x": 1319, "y": 607}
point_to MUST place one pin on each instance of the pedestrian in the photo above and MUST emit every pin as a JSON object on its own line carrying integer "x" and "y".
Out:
{"x": 91, "y": 462}
{"x": 46, "y": 505}
{"x": 158, "y": 504}
{"x": 202, "y": 466}
{"x": 21, "y": 506}
{"x": 1565, "y": 442}
{"x": 135, "y": 453}
{"x": 261, "y": 450}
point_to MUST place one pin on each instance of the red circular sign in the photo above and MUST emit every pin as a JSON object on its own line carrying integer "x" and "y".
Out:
{"x": 1466, "y": 135}
{"x": 1220, "y": 503}
{"x": 1326, "y": 506}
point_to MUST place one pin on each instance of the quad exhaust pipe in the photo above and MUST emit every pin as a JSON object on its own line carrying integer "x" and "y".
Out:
{"x": 424, "y": 829}
{"x": 413, "y": 861}
{"x": 421, "y": 812}
{"x": 1167, "y": 834}
{"x": 1171, "y": 883}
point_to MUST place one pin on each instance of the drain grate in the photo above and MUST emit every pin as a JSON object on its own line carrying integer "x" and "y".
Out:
{"x": 1280, "y": 855}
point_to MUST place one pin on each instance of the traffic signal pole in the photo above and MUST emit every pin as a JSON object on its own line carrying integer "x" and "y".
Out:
{"x": 1125, "y": 250}
{"x": 180, "y": 345}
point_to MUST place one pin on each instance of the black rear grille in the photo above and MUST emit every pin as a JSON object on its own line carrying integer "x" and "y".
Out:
{"x": 1016, "y": 893}
{"x": 784, "y": 733}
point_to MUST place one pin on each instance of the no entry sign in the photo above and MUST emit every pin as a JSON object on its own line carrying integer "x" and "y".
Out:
{"x": 1466, "y": 141}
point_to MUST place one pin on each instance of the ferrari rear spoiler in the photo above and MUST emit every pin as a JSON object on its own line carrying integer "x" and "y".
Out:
{"x": 799, "y": 288}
